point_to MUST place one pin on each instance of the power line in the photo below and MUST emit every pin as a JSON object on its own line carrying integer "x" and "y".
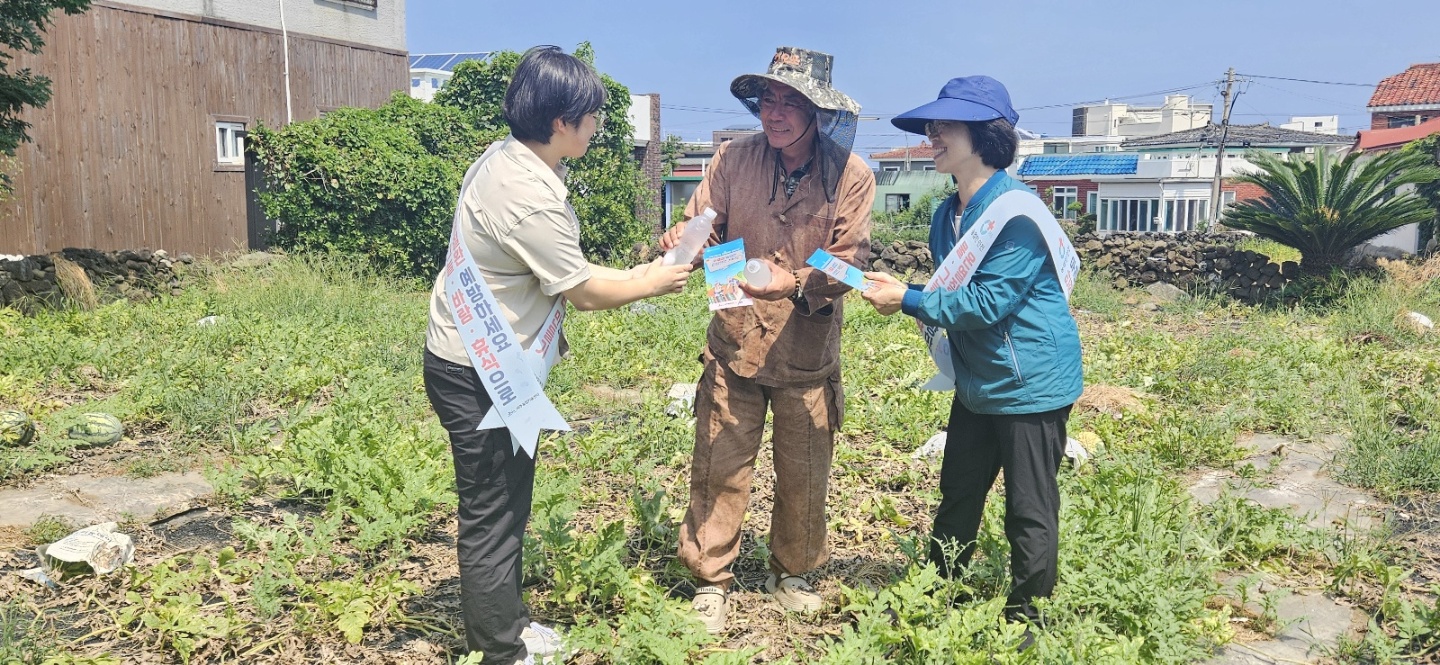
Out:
{"x": 1343, "y": 105}
{"x": 701, "y": 109}
{"x": 1282, "y": 78}
{"x": 1122, "y": 97}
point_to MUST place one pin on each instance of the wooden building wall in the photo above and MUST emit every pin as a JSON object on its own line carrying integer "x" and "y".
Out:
{"x": 124, "y": 155}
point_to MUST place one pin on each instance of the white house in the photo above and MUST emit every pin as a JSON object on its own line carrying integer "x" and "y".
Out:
{"x": 1320, "y": 124}
{"x": 1177, "y": 113}
{"x": 1162, "y": 183}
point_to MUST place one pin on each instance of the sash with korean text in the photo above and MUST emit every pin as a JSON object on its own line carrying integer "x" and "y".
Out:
{"x": 514, "y": 377}
{"x": 959, "y": 266}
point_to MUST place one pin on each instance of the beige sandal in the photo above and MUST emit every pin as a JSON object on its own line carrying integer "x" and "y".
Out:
{"x": 711, "y": 603}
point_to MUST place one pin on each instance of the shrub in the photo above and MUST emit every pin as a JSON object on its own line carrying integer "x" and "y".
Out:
{"x": 380, "y": 183}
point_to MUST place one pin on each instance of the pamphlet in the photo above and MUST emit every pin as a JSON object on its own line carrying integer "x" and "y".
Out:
{"x": 723, "y": 265}
{"x": 840, "y": 270}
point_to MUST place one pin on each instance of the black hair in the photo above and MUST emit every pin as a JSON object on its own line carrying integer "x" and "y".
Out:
{"x": 995, "y": 141}
{"x": 548, "y": 84}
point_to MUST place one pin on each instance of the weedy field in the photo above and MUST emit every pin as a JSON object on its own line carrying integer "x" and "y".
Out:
{"x": 333, "y": 536}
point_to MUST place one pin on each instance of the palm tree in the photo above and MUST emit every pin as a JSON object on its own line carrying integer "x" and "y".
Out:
{"x": 1325, "y": 207}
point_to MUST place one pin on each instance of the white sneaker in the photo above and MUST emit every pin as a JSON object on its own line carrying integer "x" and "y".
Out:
{"x": 543, "y": 642}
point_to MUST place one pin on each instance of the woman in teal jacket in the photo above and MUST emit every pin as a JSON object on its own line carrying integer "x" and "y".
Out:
{"x": 1014, "y": 344}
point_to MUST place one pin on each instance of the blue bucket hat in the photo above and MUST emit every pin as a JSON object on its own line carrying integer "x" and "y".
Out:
{"x": 966, "y": 99}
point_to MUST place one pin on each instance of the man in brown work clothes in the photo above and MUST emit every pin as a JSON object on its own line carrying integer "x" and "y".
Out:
{"x": 789, "y": 191}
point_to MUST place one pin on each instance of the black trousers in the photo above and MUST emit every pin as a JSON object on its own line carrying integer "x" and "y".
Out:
{"x": 1029, "y": 448}
{"x": 495, "y": 487}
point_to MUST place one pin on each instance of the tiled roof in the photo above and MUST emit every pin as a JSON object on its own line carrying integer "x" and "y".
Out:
{"x": 922, "y": 151}
{"x": 1098, "y": 164}
{"x": 1379, "y": 139}
{"x": 1239, "y": 136}
{"x": 1420, "y": 84}
{"x": 444, "y": 62}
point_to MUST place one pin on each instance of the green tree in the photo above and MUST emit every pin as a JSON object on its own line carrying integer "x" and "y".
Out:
{"x": 606, "y": 186}
{"x": 1324, "y": 207}
{"x": 1429, "y": 145}
{"x": 670, "y": 153}
{"x": 22, "y": 27}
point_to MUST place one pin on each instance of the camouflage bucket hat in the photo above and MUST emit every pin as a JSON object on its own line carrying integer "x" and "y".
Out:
{"x": 808, "y": 72}
{"x": 802, "y": 69}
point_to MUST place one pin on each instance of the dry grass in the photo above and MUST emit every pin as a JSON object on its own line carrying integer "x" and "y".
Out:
{"x": 1113, "y": 401}
{"x": 74, "y": 283}
{"x": 1412, "y": 274}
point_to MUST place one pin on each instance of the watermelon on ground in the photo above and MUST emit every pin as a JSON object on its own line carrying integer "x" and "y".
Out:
{"x": 16, "y": 428}
{"x": 98, "y": 429}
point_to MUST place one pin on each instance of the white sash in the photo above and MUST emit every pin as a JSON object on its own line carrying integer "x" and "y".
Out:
{"x": 959, "y": 266}
{"x": 514, "y": 378}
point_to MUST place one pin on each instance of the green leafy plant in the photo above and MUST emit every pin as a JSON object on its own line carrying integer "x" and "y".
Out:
{"x": 379, "y": 183}
{"x": 22, "y": 29}
{"x": 1324, "y": 207}
{"x": 605, "y": 185}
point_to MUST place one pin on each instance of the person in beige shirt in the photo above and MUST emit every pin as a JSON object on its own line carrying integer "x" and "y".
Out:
{"x": 523, "y": 235}
{"x": 788, "y": 191}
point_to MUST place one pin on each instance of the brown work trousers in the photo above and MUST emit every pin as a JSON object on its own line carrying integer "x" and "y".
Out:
{"x": 729, "y": 421}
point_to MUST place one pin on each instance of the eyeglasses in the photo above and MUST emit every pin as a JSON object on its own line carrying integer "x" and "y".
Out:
{"x": 935, "y": 128}
{"x": 789, "y": 105}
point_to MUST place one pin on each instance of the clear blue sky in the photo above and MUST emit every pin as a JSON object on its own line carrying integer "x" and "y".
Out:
{"x": 891, "y": 56}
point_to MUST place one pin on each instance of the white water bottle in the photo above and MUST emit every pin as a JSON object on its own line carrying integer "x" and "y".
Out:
{"x": 757, "y": 274}
{"x": 697, "y": 232}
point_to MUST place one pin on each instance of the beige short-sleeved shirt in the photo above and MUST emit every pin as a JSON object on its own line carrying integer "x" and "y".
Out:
{"x": 525, "y": 239}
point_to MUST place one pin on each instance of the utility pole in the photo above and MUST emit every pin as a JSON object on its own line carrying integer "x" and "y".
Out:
{"x": 1227, "y": 102}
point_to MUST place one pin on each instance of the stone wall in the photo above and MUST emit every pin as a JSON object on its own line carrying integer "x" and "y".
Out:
{"x": 1186, "y": 260}
{"x": 903, "y": 256}
{"x": 140, "y": 274}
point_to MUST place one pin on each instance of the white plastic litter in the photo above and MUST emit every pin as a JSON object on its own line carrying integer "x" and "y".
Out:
{"x": 682, "y": 400}
{"x": 98, "y": 549}
{"x": 210, "y": 320}
{"x": 38, "y": 576}
{"x": 1419, "y": 322}
{"x": 934, "y": 447}
{"x": 1076, "y": 452}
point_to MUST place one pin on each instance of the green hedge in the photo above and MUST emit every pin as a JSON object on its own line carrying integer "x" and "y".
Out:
{"x": 382, "y": 183}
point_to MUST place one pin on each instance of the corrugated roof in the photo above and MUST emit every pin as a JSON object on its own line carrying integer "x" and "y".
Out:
{"x": 1379, "y": 139}
{"x": 1420, "y": 84}
{"x": 1239, "y": 137}
{"x": 1086, "y": 164}
{"x": 444, "y": 62}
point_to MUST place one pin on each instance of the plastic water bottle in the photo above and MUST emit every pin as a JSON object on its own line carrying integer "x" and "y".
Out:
{"x": 757, "y": 274}
{"x": 697, "y": 232}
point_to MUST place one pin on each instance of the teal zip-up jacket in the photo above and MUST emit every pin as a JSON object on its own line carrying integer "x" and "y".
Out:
{"x": 1016, "y": 346}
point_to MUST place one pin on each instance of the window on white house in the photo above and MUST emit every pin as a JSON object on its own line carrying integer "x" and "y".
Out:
{"x": 929, "y": 167}
{"x": 890, "y": 168}
{"x": 435, "y": 83}
{"x": 897, "y": 202}
{"x": 1064, "y": 196}
{"x": 414, "y": 83}
{"x": 1129, "y": 215}
{"x": 230, "y": 143}
{"x": 1092, "y": 202}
